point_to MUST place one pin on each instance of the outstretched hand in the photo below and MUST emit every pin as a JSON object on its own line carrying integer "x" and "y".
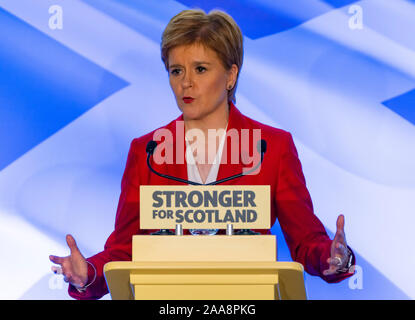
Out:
{"x": 338, "y": 254}
{"x": 73, "y": 267}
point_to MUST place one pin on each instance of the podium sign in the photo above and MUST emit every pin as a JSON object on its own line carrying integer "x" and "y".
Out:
{"x": 205, "y": 207}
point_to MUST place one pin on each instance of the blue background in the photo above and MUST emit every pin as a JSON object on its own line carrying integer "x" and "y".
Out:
{"x": 72, "y": 99}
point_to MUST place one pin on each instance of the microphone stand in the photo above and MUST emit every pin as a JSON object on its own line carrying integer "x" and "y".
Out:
{"x": 163, "y": 232}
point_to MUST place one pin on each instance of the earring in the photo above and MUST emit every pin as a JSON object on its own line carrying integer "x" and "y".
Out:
{"x": 230, "y": 87}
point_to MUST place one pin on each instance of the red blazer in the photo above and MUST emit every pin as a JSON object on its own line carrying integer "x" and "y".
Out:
{"x": 305, "y": 235}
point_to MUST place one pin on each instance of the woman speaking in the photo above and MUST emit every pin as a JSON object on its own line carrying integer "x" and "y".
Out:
{"x": 203, "y": 56}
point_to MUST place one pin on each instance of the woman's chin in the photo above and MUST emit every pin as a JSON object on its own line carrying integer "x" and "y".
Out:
{"x": 190, "y": 113}
{"x": 191, "y": 116}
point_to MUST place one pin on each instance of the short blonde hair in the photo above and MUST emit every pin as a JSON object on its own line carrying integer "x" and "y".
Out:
{"x": 216, "y": 31}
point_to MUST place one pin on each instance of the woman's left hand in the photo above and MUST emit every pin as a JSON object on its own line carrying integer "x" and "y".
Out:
{"x": 339, "y": 254}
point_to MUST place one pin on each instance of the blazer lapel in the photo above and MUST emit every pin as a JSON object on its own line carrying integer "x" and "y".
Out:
{"x": 179, "y": 166}
{"x": 231, "y": 163}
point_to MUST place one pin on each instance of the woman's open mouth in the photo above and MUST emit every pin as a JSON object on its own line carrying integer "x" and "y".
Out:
{"x": 188, "y": 99}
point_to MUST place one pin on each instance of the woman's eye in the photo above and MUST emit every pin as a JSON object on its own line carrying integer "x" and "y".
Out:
{"x": 175, "y": 72}
{"x": 200, "y": 69}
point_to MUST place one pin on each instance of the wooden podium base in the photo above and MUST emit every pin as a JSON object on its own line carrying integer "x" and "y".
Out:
{"x": 205, "y": 268}
{"x": 205, "y": 280}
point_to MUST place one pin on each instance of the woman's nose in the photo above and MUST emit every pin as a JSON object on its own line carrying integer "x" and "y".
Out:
{"x": 187, "y": 80}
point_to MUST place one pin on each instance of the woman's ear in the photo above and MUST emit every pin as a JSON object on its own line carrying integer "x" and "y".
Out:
{"x": 232, "y": 76}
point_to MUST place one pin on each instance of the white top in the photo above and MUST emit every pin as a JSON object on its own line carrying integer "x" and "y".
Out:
{"x": 193, "y": 173}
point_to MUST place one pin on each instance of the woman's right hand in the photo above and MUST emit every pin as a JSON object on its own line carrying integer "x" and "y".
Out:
{"x": 73, "y": 267}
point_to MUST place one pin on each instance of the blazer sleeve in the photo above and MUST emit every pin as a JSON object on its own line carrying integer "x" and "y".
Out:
{"x": 305, "y": 235}
{"x": 127, "y": 223}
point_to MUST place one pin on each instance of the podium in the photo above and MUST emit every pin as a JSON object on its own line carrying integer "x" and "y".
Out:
{"x": 219, "y": 267}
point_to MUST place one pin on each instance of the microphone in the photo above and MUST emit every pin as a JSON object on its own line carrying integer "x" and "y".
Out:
{"x": 151, "y": 147}
{"x": 261, "y": 147}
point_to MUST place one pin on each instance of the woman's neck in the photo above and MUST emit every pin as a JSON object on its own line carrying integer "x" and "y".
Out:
{"x": 215, "y": 120}
{"x": 205, "y": 140}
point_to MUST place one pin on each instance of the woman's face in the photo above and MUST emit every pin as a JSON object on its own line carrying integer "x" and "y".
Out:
{"x": 199, "y": 81}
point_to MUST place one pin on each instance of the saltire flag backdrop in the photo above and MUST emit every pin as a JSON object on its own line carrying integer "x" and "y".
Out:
{"x": 80, "y": 79}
